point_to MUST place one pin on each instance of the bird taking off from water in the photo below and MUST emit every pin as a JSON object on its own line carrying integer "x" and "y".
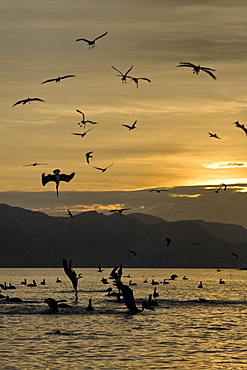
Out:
{"x": 84, "y": 121}
{"x": 56, "y": 177}
{"x": 197, "y": 69}
{"x": 123, "y": 75}
{"x": 72, "y": 275}
{"x": 27, "y": 100}
{"x": 104, "y": 169}
{"x": 136, "y": 79}
{"x": 57, "y": 79}
{"x": 88, "y": 155}
{"x": 214, "y": 135}
{"x": 83, "y": 134}
{"x": 240, "y": 125}
{"x": 91, "y": 43}
{"x": 34, "y": 164}
{"x": 132, "y": 126}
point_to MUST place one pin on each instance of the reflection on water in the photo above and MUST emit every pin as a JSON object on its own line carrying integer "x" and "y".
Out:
{"x": 191, "y": 327}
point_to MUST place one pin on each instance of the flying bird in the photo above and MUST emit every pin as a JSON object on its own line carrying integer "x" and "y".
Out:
{"x": 56, "y": 177}
{"x": 133, "y": 252}
{"x": 119, "y": 211}
{"x": 84, "y": 121}
{"x": 136, "y": 79}
{"x": 69, "y": 213}
{"x": 91, "y": 43}
{"x": 196, "y": 69}
{"x": 57, "y": 79}
{"x": 123, "y": 75}
{"x": 239, "y": 125}
{"x": 34, "y": 164}
{"x": 72, "y": 275}
{"x": 214, "y": 135}
{"x": 27, "y": 100}
{"x": 100, "y": 269}
{"x": 89, "y": 307}
{"x": 235, "y": 255}
{"x": 88, "y": 155}
{"x": 157, "y": 190}
{"x": 168, "y": 241}
{"x": 104, "y": 169}
{"x": 131, "y": 127}
{"x": 83, "y": 134}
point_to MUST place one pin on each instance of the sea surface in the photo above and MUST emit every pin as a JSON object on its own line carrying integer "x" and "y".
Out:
{"x": 191, "y": 328}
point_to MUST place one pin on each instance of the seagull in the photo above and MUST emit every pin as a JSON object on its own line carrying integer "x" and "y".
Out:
{"x": 197, "y": 69}
{"x": 27, "y": 100}
{"x": 239, "y": 125}
{"x": 88, "y": 155}
{"x": 214, "y": 135}
{"x": 136, "y": 79}
{"x": 131, "y": 252}
{"x": 168, "y": 241}
{"x": 56, "y": 177}
{"x": 84, "y": 121}
{"x": 72, "y": 275}
{"x": 69, "y": 213}
{"x": 131, "y": 127}
{"x": 123, "y": 75}
{"x": 35, "y": 164}
{"x": 104, "y": 169}
{"x": 91, "y": 43}
{"x": 119, "y": 211}
{"x": 57, "y": 79}
{"x": 83, "y": 134}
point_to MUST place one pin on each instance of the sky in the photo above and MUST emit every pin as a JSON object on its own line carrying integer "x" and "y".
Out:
{"x": 170, "y": 147}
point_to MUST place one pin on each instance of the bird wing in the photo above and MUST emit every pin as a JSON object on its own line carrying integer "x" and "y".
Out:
{"x": 110, "y": 165}
{"x": 134, "y": 124}
{"x": 99, "y": 168}
{"x": 186, "y": 64}
{"x": 128, "y": 70}
{"x": 88, "y": 130}
{"x": 117, "y": 70}
{"x": 47, "y": 178}
{"x": 50, "y": 80}
{"x": 36, "y": 99}
{"x": 67, "y": 178}
{"x": 20, "y": 102}
{"x": 127, "y": 126}
{"x": 70, "y": 273}
{"x": 67, "y": 76}
{"x": 83, "y": 40}
{"x": 209, "y": 72}
{"x": 77, "y": 110}
{"x": 75, "y": 133}
{"x": 99, "y": 37}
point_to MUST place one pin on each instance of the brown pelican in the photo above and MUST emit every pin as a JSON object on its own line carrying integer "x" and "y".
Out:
{"x": 119, "y": 211}
{"x": 32, "y": 284}
{"x": 84, "y": 121}
{"x": 88, "y": 155}
{"x": 214, "y": 135}
{"x": 155, "y": 293}
{"x": 136, "y": 79}
{"x": 27, "y": 100}
{"x": 43, "y": 282}
{"x": 104, "y": 169}
{"x": 242, "y": 126}
{"x": 56, "y": 177}
{"x": 157, "y": 190}
{"x": 72, "y": 275}
{"x": 151, "y": 302}
{"x": 197, "y": 69}
{"x": 132, "y": 126}
{"x": 83, "y": 134}
{"x": 53, "y": 305}
{"x": 123, "y": 75}
{"x": 58, "y": 280}
{"x": 129, "y": 300}
{"x": 91, "y": 43}
{"x": 221, "y": 281}
{"x": 168, "y": 241}
{"x": 57, "y": 79}
{"x": 13, "y": 299}
{"x": 89, "y": 307}
{"x": 100, "y": 269}
{"x": 34, "y": 164}
{"x": 200, "y": 285}
{"x": 69, "y": 213}
{"x": 153, "y": 282}
{"x": 133, "y": 252}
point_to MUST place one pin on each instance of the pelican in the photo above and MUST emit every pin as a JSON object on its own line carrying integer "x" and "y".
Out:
{"x": 43, "y": 282}
{"x": 151, "y": 302}
{"x": 32, "y": 284}
{"x": 235, "y": 255}
{"x": 132, "y": 126}
{"x": 91, "y": 43}
{"x": 197, "y": 69}
{"x": 157, "y": 190}
{"x": 89, "y": 307}
{"x": 242, "y": 126}
{"x": 88, "y": 155}
{"x": 123, "y": 75}
{"x": 129, "y": 300}
{"x": 27, "y": 100}
{"x": 52, "y": 303}
{"x": 100, "y": 269}
{"x": 200, "y": 285}
{"x": 104, "y": 169}
{"x": 72, "y": 275}
{"x": 155, "y": 293}
{"x": 84, "y": 121}
{"x": 58, "y": 280}
{"x": 57, "y": 79}
{"x": 56, "y": 177}
{"x": 168, "y": 241}
{"x": 83, "y": 134}
{"x": 69, "y": 213}
{"x": 34, "y": 164}
{"x": 130, "y": 283}
{"x": 24, "y": 282}
{"x": 119, "y": 211}
{"x": 214, "y": 135}
{"x": 136, "y": 79}
{"x": 13, "y": 299}
{"x": 133, "y": 252}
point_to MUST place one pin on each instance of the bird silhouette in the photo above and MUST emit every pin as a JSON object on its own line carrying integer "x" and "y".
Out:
{"x": 123, "y": 75}
{"x": 57, "y": 79}
{"x": 89, "y": 307}
{"x": 88, "y": 155}
{"x": 100, "y": 269}
{"x": 214, "y": 135}
{"x": 196, "y": 69}
{"x": 69, "y": 213}
{"x": 35, "y": 164}
{"x": 91, "y": 43}
{"x": 157, "y": 190}
{"x": 72, "y": 275}
{"x": 84, "y": 121}
{"x": 104, "y": 169}
{"x": 27, "y": 100}
{"x": 168, "y": 241}
{"x": 136, "y": 79}
{"x": 83, "y": 134}
{"x": 235, "y": 255}
{"x": 56, "y": 177}
{"x": 129, "y": 299}
{"x": 131, "y": 127}
{"x": 119, "y": 211}
{"x": 239, "y": 125}
{"x": 133, "y": 252}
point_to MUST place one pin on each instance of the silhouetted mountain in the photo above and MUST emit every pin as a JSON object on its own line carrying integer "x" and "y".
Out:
{"x": 34, "y": 239}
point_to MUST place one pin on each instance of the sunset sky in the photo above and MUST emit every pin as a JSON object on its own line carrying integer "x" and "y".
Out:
{"x": 170, "y": 148}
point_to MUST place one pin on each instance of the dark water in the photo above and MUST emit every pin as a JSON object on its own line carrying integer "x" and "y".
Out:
{"x": 190, "y": 328}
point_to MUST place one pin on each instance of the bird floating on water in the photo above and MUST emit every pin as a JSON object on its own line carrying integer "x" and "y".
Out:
{"x": 123, "y": 75}
{"x": 196, "y": 69}
{"x": 132, "y": 126}
{"x": 91, "y": 43}
{"x": 89, "y": 307}
{"x": 104, "y": 169}
{"x": 56, "y": 177}
{"x": 214, "y": 135}
{"x": 57, "y": 79}
{"x": 27, "y": 100}
{"x": 129, "y": 300}
{"x": 69, "y": 213}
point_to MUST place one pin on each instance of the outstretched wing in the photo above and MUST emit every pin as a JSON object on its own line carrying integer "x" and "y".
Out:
{"x": 144, "y": 78}
{"x": 67, "y": 178}
{"x": 209, "y": 72}
{"x": 99, "y": 168}
{"x": 83, "y": 40}
{"x": 99, "y": 37}
{"x": 47, "y": 178}
{"x": 67, "y": 76}
{"x": 110, "y": 165}
{"x": 186, "y": 64}
{"x": 127, "y": 126}
{"x": 128, "y": 70}
{"x": 128, "y": 296}
{"x": 117, "y": 70}
{"x": 36, "y": 99}
{"x": 50, "y": 80}
{"x": 23, "y": 101}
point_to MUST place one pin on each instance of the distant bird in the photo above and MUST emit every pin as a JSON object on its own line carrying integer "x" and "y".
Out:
{"x": 104, "y": 281}
{"x": 130, "y": 283}
{"x": 100, "y": 269}
{"x": 58, "y": 280}
{"x": 27, "y": 100}
{"x": 104, "y": 169}
{"x": 133, "y": 252}
{"x": 195, "y": 243}
{"x": 200, "y": 285}
{"x": 224, "y": 186}
{"x": 56, "y": 177}
{"x": 53, "y": 305}
{"x": 35, "y": 164}
{"x": 69, "y": 213}
{"x": 88, "y": 155}
{"x": 91, "y": 43}
{"x": 120, "y": 211}
{"x": 242, "y": 126}
{"x": 132, "y": 126}
{"x": 168, "y": 241}
{"x": 57, "y": 79}
{"x": 136, "y": 79}
{"x": 24, "y": 282}
{"x": 13, "y": 299}
{"x": 33, "y": 284}
{"x": 153, "y": 282}
{"x": 214, "y": 135}
{"x": 84, "y": 121}
{"x": 185, "y": 278}
{"x": 157, "y": 190}
{"x": 89, "y": 307}
{"x": 129, "y": 299}
{"x": 196, "y": 69}
{"x": 43, "y": 282}
{"x": 72, "y": 275}
{"x": 155, "y": 293}
{"x": 83, "y": 134}
{"x": 222, "y": 281}
{"x": 123, "y": 75}
{"x": 151, "y": 302}
{"x": 235, "y": 255}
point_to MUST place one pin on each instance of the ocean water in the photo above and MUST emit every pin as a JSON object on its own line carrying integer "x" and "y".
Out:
{"x": 191, "y": 328}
